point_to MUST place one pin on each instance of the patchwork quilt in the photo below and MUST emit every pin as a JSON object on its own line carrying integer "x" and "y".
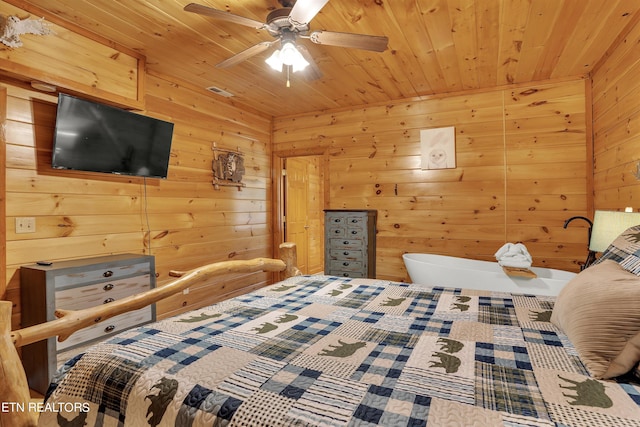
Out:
{"x": 328, "y": 351}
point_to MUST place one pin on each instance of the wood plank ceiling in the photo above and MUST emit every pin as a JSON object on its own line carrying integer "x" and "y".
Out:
{"x": 435, "y": 46}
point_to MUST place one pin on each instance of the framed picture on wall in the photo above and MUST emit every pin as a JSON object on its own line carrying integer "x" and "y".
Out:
{"x": 438, "y": 148}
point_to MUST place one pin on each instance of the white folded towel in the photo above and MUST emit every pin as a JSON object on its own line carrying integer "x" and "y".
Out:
{"x": 514, "y": 255}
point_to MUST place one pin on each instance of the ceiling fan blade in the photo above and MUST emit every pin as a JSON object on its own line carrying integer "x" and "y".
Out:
{"x": 245, "y": 54}
{"x": 224, "y": 16}
{"x": 304, "y": 11}
{"x": 312, "y": 71}
{"x": 357, "y": 41}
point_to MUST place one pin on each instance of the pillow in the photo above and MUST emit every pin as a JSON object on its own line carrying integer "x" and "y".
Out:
{"x": 625, "y": 249}
{"x": 599, "y": 311}
{"x": 632, "y": 263}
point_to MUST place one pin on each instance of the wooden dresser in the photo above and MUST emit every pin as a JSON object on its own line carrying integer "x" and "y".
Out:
{"x": 350, "y": 243}
{"x": 75, "y": 285}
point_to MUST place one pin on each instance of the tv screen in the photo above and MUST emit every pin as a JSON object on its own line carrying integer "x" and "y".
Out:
{"x": 99, "y": 138}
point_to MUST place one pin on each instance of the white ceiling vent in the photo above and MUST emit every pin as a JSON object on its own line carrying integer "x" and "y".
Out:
{"x": 219, "y": 91}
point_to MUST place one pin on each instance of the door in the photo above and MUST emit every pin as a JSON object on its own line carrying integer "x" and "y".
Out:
{"x": 303, "y": 208}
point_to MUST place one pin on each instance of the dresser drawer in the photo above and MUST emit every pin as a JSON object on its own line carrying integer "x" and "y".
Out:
{"x": 108, "y": 327}
{"x": 80, "y": 297}
{"x": 336, "y": 231}
{"x": 357, "y": 222}
{"x": 341, "y": 273}
{"x": 336, "y": 220}
{"x": 343, "y": 265}
{"x": 356, "y": 233}
{"x": 350, "y": 244}
{"x": 353, "y": 255}
{"x": 105, "y": 273}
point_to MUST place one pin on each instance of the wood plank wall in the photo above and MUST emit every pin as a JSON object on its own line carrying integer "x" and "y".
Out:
{"x": 183, "y": 221}
{"x": 616, "y": 126}
{"x": 76, "y": 59}
{"x": 3, "y": 187}
{"x": 521, "y": 172}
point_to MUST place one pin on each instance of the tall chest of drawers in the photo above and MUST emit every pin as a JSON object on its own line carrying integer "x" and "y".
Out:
{"x": 74, "y": 285}
{"x": 350, "y": 243}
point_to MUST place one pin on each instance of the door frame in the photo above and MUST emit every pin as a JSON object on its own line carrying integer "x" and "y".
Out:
{"x": 277, "y": 162}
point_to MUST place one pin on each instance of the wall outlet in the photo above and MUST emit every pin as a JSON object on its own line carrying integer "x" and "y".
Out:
{"x": 25, "y": 224}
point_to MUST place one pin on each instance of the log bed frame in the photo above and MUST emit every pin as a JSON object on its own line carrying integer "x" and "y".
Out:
{"x": 13, "y": 380}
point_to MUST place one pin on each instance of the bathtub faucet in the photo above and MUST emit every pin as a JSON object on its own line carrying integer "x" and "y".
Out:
{"x": 591, "y": 257}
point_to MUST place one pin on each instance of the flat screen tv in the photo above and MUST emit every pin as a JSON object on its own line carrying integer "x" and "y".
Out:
{"x": 93, "y": 137}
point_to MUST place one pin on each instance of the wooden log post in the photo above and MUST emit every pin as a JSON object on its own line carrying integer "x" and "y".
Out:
{"x": 289, "y": 255}
{"x": 14, "y": 390}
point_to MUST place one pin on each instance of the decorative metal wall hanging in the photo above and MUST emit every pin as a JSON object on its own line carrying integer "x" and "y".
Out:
{"x": 228, "y": 168}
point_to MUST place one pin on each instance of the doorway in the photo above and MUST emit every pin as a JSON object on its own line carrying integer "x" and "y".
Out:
{"x": 302, "y": 204}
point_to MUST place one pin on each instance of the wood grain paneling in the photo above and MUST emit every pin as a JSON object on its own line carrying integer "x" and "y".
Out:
{"x": 616, "y": 126}
{"x": 3, "y": 189}
{"x": 522, "y": 151}
{"x": 435, "y": 46}
{"x": 183, "y": 221}
{"x": 521, "y": 171}
{"x": 105, "y": 70}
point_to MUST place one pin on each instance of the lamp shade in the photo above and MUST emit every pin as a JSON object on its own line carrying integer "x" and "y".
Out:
{"x": 607, "y": 225}
{"x": 289, "y": 53}
{"x": 274, "y": 61}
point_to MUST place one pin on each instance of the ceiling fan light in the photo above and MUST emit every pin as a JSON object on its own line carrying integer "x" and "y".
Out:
{"x": 274, "y": 61}
{"x": 300, "y": 64}
{"x": 289, "y": 56}
{"x": 289, "y": 53}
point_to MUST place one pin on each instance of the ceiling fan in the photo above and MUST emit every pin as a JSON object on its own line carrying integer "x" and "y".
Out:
{"x": 287, "y": 25}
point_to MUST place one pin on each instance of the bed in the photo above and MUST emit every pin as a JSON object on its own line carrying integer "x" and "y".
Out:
{"x": 323, "y": 350}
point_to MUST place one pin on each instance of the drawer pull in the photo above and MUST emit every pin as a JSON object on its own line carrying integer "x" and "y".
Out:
{"x": 337, "y": 220}
{"x": 345, "y": 274}
{"x": 337, "y": 231}
{"x": 109, "y": 328}
{"x": 354, "y": 232}
{"x": 108, "y": 286}
{"x": 346, "y": 242}
{"x": 354, "y": 221}
{"x": 108, "y": 273}
{"x": 345, "y": 253}
{"x": 108, "y": 300}
{"x": 345, "y": 264}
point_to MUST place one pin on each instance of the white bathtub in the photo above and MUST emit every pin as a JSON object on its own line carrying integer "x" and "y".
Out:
{"x": 453, "y": 272}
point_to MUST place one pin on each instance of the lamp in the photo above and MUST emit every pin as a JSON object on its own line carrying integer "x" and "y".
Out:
{"x": 607, "y": 225}
{"x": 605, "y": 228}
